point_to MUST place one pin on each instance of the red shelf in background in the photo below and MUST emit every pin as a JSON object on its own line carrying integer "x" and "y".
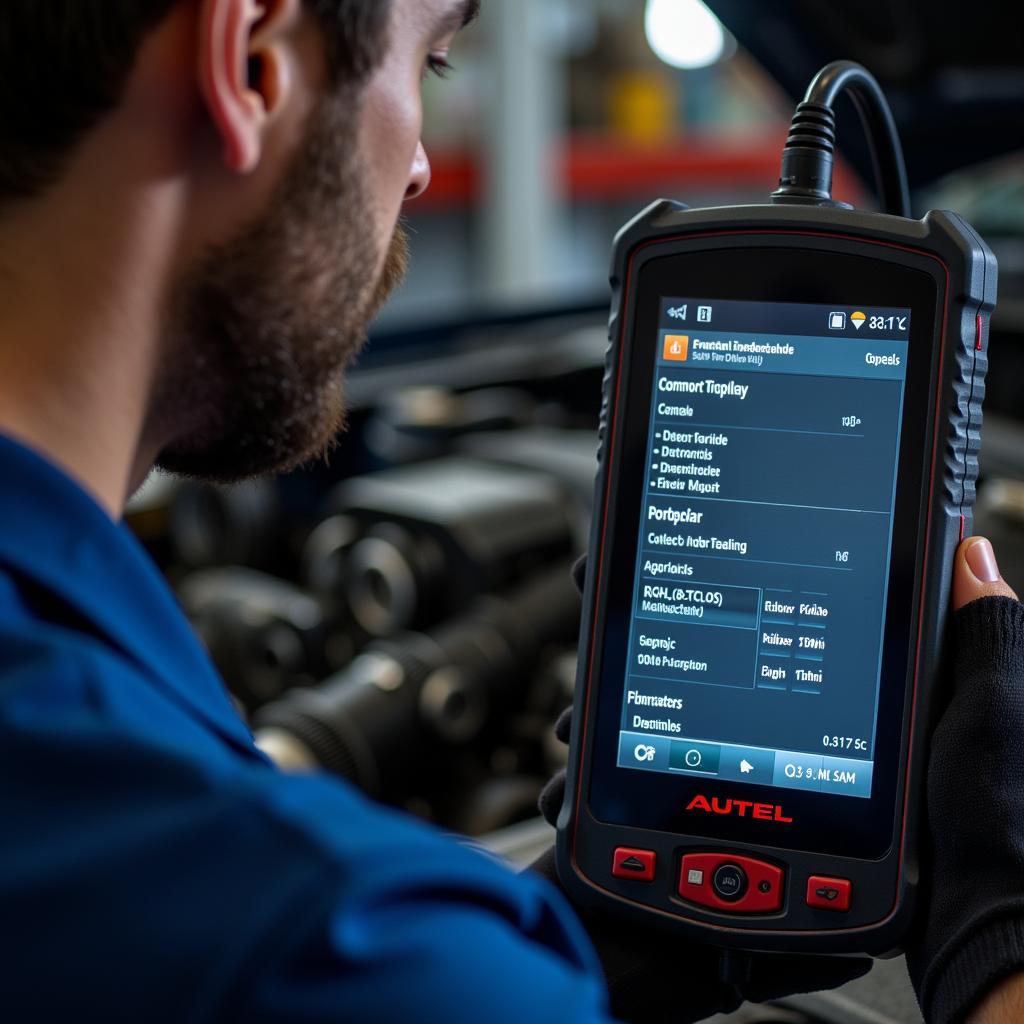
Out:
{"x": 596, "y": 169}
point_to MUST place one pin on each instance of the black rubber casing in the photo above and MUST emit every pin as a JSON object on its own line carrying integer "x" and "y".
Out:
{"x": 947, "y": 250}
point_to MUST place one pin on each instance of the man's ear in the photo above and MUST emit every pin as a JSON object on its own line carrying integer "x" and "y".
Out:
{"x": 244, "y": 71}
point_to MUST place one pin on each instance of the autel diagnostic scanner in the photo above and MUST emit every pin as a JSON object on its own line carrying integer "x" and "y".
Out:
{"x": 789, "y": 455}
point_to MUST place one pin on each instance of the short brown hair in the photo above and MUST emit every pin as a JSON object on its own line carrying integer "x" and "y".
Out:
{"x": 64, "y": 64}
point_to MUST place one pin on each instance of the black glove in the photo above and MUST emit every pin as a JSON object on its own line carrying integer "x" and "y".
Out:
{"x": 655, "y": 979}
{"x": 972, "y": 927}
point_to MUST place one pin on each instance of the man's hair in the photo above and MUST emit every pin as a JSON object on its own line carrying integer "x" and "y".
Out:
{"x": 64, "y": 64}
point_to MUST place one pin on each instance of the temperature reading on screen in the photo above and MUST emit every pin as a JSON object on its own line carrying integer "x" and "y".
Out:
{"x": 889, "y": 323}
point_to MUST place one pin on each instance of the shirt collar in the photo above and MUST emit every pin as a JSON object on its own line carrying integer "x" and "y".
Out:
{"x": 53, "y": 533}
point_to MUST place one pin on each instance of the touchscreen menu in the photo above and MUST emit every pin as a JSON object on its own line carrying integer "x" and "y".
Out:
{"x": 763, "y": 558}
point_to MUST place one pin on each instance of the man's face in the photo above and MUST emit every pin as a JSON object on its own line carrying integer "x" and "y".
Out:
{"x": 264, "y": 326}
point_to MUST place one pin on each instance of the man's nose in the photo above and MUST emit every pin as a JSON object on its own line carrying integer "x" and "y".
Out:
{"x": 419, "y": 175}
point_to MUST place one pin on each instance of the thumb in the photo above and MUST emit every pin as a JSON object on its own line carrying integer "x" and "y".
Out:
{"x": 976, "y": 574}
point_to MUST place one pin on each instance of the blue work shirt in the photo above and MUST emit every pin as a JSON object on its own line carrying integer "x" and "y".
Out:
{"x": 154, "y": 866}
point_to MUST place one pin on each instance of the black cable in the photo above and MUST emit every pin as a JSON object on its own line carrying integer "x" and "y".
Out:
{"x": 808, "y": 158}
{"x": 879, "y": 126}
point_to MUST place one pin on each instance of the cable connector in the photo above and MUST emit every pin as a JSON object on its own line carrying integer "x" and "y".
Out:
{"x": 809, "y": 156}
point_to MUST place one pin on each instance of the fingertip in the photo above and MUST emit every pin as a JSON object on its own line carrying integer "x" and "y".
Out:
{"x": 976, "y": 573}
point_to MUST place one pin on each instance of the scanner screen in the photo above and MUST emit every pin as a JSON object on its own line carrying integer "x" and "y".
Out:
{"x": 759, "y": 599}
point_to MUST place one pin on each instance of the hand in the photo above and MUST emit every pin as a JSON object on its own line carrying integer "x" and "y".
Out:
{"x": 971, "y": 934}
{"x": 653, "y": 978}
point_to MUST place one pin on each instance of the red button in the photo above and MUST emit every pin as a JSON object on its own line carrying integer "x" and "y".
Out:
{"x": 763, "y": 893}
{"x": 829, "y": 893}
{"x": 638, "y": 864}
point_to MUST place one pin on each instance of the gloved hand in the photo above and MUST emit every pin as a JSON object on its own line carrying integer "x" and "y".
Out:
{"x": 971, "y": 932}
{"x": 653, "y": 979}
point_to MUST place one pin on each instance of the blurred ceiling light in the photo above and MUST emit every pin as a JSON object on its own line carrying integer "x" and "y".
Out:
{"x": 684, "y": 33}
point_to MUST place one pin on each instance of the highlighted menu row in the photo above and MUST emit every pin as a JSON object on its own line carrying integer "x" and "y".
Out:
{"x": 759, "y": 766}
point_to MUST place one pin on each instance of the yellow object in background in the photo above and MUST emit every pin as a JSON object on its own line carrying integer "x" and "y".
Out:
{"x": 642, "y": 107}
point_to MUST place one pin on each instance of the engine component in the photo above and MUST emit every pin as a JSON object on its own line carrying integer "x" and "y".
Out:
{"x": 405, "y": 701}
{"x": 238, "y": 525}
{"x": 440, "y": 533}
{"x": 264, "y": 635}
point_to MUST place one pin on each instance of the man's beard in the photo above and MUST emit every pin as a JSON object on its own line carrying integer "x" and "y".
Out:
{"x": 264, "y": 327}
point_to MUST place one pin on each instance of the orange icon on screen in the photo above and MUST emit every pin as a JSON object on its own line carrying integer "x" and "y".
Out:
{"x": 677, "y": 347}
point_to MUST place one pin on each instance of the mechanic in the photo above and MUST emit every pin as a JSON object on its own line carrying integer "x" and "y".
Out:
{"x": 198, "y": 209}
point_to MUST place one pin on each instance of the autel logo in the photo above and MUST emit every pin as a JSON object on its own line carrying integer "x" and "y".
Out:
{"x": 741, "y": 808}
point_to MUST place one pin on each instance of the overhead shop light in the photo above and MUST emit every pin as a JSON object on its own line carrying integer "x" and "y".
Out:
{"x": 685, "y": 33}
